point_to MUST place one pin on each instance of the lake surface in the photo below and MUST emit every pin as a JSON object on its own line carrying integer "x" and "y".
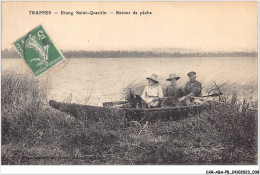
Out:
{"x": 104, "y": 78}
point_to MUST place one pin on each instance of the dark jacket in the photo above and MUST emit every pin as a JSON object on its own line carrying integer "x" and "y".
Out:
{"x": 172, "y": 91}
{"x": 193, "y": 88}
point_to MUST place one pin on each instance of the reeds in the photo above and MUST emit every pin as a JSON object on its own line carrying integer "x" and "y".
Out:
{"x": 25, "y": 114}
{"x": 34, "y": 133}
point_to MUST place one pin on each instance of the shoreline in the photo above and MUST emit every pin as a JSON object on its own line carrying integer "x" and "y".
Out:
{"x": 137, "y": 54}
{"x": 37, "y": 134}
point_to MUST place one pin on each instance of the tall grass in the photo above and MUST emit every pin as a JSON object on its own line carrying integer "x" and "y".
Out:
{"x": 26, "y": 118}
{"x": 34, "y": 133}
{"x": 21, "y": 105}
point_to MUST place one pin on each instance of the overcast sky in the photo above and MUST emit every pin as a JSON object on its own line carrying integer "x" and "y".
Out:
{"x": 206, "y": 26}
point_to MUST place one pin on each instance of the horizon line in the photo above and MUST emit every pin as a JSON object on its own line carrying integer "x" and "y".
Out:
{"x": 138, "y": 54}
{"x": 174, "y": 50}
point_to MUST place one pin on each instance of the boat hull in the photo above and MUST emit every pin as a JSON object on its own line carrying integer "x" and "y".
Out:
{"x": 99, "y": 112}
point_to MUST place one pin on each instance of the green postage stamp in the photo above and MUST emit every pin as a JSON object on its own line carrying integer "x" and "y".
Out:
{"x": 38, "y": 51}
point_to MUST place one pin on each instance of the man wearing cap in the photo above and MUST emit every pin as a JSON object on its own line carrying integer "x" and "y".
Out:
{"x": 152, "y": 93}
{"x": 193, "y": 87}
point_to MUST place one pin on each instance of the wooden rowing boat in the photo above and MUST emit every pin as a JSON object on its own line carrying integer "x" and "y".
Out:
{"x": 116, "y": 109}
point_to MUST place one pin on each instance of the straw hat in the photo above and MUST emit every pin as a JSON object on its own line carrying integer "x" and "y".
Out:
{"x": 191, "y": 73}
{"x": 172, "y": 76}
{"x": 153, "y": 77}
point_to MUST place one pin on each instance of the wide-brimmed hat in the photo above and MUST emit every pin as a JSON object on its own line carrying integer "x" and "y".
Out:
{"x": 191, "y": 73}
{"x": 153, "y": 77}
{"x": 172, "y": 76}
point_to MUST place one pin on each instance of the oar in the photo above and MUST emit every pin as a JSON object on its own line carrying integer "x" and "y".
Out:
{"x": 201, "y": 98}
{"x": 213, "y": 95}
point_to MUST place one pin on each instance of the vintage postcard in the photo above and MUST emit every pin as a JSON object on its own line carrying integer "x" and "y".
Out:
{"x": 130, "y": 83}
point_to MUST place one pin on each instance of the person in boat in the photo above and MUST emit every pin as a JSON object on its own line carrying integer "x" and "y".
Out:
{"x": 190, "y": 90}
{"x": 193, "y": 87}
{"x": 172, "y": 92}
{"x": 153, "y": 92}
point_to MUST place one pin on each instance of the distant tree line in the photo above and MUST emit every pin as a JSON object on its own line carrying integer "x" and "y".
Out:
{"x": 9, "y": 54}
{"x": 137, "y": 54}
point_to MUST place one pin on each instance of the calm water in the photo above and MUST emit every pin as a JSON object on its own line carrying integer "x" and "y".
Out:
{"x": 104, "y": 78}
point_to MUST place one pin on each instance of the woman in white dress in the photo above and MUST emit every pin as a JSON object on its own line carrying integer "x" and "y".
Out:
{"x": 153, "y": 92}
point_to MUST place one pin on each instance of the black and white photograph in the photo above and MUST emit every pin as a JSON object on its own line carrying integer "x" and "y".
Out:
{"x": 129, "y": 83}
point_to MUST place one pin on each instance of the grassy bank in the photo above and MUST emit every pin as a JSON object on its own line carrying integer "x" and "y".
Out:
{"x": 34, "y": 133}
